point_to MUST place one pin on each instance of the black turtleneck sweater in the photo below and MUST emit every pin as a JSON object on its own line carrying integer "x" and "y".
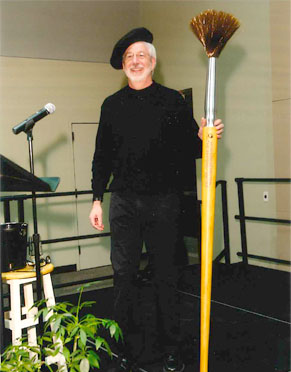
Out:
{"x": 147, "y": 139}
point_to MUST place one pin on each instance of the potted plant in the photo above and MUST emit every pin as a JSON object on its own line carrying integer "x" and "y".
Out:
{"x": 66, "y": 331}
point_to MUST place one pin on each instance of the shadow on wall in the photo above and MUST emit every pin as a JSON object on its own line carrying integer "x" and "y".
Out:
{"x": 42, "y": 156}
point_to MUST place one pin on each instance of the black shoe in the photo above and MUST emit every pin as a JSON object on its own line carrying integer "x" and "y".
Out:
{"x": 125, "y": 365}
{"x": 172, "y": 363}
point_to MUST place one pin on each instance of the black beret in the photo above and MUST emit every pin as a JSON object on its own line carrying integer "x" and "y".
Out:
{"x": 133, "y": 36}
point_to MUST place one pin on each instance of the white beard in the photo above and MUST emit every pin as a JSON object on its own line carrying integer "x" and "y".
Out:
{"x": 138, "y": 77}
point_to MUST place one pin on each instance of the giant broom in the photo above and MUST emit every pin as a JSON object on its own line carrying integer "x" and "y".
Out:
{"x": 213, "y": 29}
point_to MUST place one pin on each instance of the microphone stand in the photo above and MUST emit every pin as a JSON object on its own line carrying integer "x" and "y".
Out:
{"x": 35, "y": 236}
{"x": 36, "y": 240}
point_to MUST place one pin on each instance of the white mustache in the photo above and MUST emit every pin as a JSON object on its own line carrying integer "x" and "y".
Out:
{"x": 136, "y": 66}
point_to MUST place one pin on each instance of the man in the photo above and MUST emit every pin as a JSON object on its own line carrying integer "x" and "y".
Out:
{"x": 147, "y": 139}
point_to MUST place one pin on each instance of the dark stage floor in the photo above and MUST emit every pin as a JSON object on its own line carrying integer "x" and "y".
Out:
{"x": 250, "y": 320}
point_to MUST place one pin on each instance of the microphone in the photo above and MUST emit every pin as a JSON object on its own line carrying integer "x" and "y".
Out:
{"x": 28, "y": 123}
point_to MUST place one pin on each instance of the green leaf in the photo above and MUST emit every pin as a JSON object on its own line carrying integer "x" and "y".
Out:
{"x": 87, "y": 304}
{"x": 60, "y": 369}
{"x": 93, "y": 359}
{"x": 67, "y": 340}
{"x": 109, "y": 352}
{"x": 66, "y": 352}
{"x": 44, "y": 313}
{"x": 74, "y": 331}
{"x": 112, "y": 329}
{"x": 98, "y": 342}
{"x": 74, "y": 309}
{"x": 49, "y": 352}
{"x": 76, "y": 356}
{"x": 83, "y": 337}
{"x": 56, "y": 324}
{"x": 87, "y": 285}
{"x": 84, "y": 365}
{"x": 46, "y": 338}
{"x": 69, "y": 315}
{"x": 80, "y": 344}
{"x": 91, "y": 332}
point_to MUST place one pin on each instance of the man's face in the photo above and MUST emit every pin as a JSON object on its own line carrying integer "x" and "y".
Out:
{"x": 137, "y": 62}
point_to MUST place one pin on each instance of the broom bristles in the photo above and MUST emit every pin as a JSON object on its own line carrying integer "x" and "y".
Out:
{"x": 214, "y": 29}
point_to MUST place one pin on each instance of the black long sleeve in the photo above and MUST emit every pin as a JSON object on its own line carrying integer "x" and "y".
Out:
{"x": 102, "y": 160}
{"x": 147, "y": 139}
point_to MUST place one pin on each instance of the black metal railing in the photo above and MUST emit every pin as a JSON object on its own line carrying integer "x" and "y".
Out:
{"x": 225, "y": 253}
{"x": 243, "y": 218}
{"x": 20, "y": 199}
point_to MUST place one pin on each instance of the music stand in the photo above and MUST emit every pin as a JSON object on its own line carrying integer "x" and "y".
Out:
{"x": 15, "y": 178}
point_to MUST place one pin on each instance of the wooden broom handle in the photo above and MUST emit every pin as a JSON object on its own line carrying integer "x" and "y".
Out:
{"x": 209, "y": 157}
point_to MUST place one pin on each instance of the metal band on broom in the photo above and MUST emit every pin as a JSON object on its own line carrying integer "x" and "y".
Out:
{"x": 213, "y": 29}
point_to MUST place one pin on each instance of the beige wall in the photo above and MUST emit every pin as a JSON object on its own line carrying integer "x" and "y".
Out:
{"x": 71, "y": 30}
{"x": 280, "y": 57}
{"x": 247, "y": 86}
{"x": 244, "y": 102}
{"x": 77, "y": 90}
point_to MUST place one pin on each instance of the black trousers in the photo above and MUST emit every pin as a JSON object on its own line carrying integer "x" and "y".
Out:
{"x": 153, "y": 219}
